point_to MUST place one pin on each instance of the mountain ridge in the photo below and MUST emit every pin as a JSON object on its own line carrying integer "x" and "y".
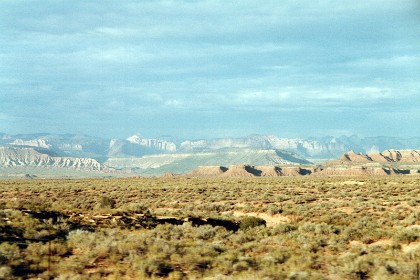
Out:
{"x": 240, "y": 163}
{"x": 313, "y": 149}
{"x": 150, "y": 156}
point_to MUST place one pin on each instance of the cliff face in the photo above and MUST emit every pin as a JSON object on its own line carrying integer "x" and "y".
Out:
{"x": 155, "y": 144}
{"x": 29, "y": 157}
{"x": 239, "y": 171}
{"x": 39, "y": 143}
{"x": 399, "y": 156}
{"x": 328, "y": 147}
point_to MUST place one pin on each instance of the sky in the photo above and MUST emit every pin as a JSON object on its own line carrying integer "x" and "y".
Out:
{"x": 207, "y": 69}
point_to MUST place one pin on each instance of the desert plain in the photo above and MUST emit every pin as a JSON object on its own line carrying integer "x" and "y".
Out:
{"x": 308, "y": 227}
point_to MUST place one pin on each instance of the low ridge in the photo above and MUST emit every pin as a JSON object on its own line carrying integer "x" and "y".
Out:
{"x": 349, "y": 164}
{"x": 30, "y": 157}
{"x": 356, "y": 171}
{"x": 241, "y": 171}
{"x": 388, "y": 156}
{"x": 208, "y": 171}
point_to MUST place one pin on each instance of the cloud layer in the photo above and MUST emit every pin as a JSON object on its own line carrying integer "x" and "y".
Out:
{"x": 210, "y": 68}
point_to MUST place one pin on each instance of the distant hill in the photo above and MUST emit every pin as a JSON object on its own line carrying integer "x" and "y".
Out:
{"x": 389, "y": 162}
{"x": 242, "y": 171}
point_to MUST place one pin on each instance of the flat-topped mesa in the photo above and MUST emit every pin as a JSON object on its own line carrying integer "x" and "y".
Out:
{"x": 249, "y": 171}
{"x": 208, "y": 171}
{"x": 356, "y": 171}
{"x": 241, "y": 171}
{"x": 388, "y": 156}
{"x": 296, "y": 171}
{"x": 269, "y": 171}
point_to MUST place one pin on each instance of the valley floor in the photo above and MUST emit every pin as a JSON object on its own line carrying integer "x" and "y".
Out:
{"x": 220, "y": 228}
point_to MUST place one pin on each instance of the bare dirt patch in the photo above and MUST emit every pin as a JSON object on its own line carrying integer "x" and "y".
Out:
{"x": 413, "y": 246}
{"x": 359, "y": 183}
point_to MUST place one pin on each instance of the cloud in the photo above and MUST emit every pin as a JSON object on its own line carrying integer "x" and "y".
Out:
{"x": 137, "y": 60}
{"x": 301, "y": 98}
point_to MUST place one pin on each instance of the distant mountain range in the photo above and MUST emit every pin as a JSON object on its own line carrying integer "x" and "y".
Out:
{"x": 137, "y": 145}
{"x": 164, "y": 154}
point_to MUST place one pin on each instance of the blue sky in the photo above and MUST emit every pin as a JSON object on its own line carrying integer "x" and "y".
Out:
{"x": 197, "y": 69}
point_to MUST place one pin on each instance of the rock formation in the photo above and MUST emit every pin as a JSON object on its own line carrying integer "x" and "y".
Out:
{"x": 208, "y": 171}
{"x": 388, "y": 156}
{"x": 241, "y": 171}
{"x": 269, "y": 171}
{"x": 356, "y": 171}
{"x": 397, "y": 156}
{"x": 249, "y": 171}
{"x": 154, "y": 144}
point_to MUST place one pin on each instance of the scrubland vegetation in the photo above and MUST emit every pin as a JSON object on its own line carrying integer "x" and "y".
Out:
{"x": 180, "y": 228}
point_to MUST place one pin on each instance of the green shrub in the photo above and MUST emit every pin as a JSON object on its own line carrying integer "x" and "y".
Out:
{"x": 6, "y": 272}
{"x": 251, "y": 222}
{"x": 273, "y": 209}
{"x": 9, "y": 254}
{"x": 106, "y": 203}
{"x": 135, "y": 208}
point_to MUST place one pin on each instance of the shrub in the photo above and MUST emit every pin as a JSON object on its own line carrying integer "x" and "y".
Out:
{"x": 6, "y": 272}
{"x": 284, "y": 228}
{"x": 106, "y": 202}
{"x": 273, "y": 209}
{"x": 135, "y": 208}
{"x": 9, "y": 253}
{"x": 251, "y": 222}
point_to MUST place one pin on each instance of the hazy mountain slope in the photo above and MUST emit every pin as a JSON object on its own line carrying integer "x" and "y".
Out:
{"x": 138, "y": 146}
{"x": 327, "y": 147}
{"x": 70, "y": 145}
{"x": 182, "y": 163}
{"x": 155, "y": 144}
